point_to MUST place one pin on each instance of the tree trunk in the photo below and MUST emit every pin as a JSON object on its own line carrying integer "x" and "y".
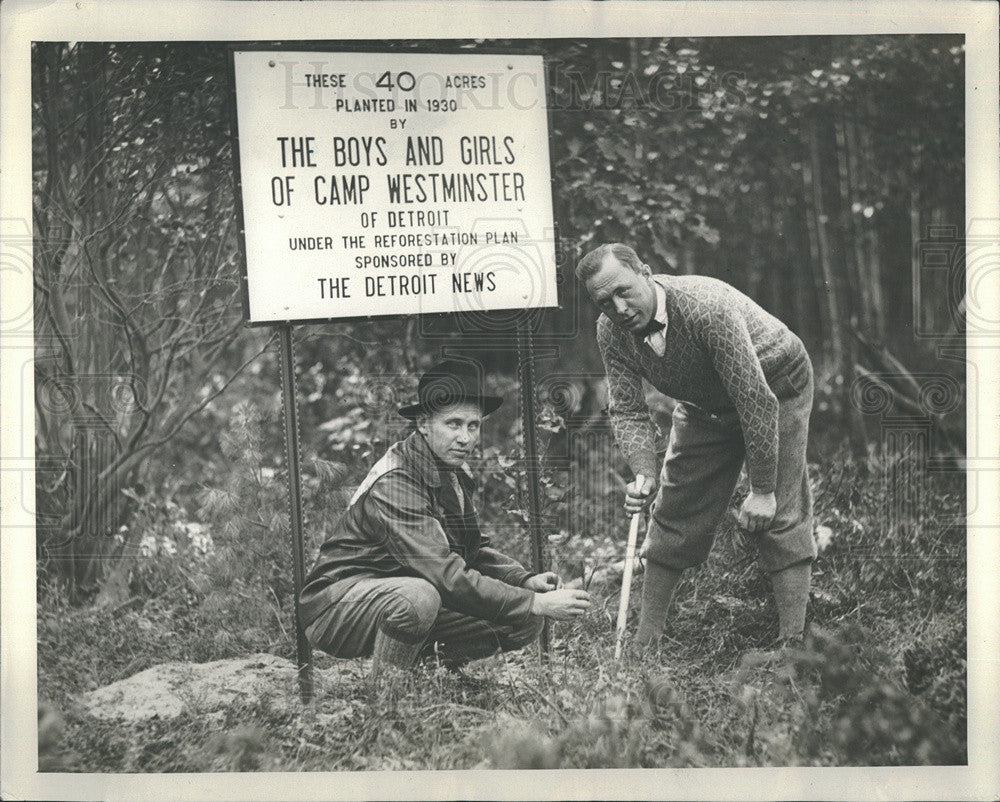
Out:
{"x": 871, "y": 239}
{"x": 829, "y": 309}
{"x": 849, "y": 234}
{"x": 840, "y": 347}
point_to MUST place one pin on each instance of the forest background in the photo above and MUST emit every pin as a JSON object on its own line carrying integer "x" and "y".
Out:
{"x": 823, "y": 176}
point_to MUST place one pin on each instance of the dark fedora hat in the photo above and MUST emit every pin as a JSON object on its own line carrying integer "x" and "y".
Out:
{"x": 450, "y": 381}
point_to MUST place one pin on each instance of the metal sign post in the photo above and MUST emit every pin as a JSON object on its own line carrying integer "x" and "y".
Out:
{"x": 289, "y": 401}
{"x": 526, "y": 368}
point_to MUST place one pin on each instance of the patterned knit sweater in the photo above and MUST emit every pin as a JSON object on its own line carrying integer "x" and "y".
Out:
{"x": 722, "y": 349}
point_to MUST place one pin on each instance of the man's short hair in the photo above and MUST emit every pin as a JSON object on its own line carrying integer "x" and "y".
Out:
{"x": 588, "y": 266}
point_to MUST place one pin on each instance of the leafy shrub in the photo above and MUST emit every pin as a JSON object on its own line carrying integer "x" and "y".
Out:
{"x": 848, "y": 702}
{"x": 172, "y": 550}
{"x": 249, "y": 577}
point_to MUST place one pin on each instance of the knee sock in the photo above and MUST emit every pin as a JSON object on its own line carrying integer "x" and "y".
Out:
{"x": 657, "y": 589}
{"x": 391, "y": 651}
{"x": 791, "y": 593}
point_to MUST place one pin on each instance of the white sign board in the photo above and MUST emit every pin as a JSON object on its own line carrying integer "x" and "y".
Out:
{"x": 399, "y": 183}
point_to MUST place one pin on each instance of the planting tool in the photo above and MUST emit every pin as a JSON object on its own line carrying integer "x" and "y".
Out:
{"x": 633, "y": 535}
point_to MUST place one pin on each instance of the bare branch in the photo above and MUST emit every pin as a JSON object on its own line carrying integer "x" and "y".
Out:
{"x": 208, "y": 399}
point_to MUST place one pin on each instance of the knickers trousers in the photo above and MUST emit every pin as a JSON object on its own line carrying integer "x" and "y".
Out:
{"x": 409, "y": 609}
{"x": 700, "y": 471}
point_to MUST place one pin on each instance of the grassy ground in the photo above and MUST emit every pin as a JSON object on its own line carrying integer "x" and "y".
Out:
{"x": 880, "y": 681}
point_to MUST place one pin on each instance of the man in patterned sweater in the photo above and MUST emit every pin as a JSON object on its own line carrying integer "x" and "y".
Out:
{"x": 744, "y": 387}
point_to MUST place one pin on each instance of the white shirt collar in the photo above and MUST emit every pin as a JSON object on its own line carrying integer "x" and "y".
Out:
{"x": 658, "y": 339}
{"x": 661, "y": 303}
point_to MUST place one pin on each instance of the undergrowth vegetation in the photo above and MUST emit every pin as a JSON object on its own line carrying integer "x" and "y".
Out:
{"x": 879, "y": 681}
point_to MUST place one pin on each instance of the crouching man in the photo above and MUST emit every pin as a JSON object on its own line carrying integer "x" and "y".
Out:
{"x": 406, "y": 570}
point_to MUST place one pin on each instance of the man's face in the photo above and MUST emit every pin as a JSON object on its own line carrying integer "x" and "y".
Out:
{"x": 452, "y": 432}
{"x": 626, "y": 297}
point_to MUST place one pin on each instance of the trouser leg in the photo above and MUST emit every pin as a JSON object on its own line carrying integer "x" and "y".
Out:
{"x": 789, "y": 538}
{"x": 787, "y": 548}
{"x": 458, "y": 638}
{"x": 387, "y": 618}
{"x": 700, "y": 470}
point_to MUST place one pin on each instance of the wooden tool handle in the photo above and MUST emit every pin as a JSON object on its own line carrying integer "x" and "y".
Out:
{"x": 633, "y": 536}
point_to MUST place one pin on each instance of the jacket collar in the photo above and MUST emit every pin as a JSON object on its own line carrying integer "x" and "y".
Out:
{"x": 419, "y": 453}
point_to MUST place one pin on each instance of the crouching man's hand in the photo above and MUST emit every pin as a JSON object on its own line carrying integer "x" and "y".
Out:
{"x": 757, "y": 511}
{"x": 562, "y": 605}
{"x": 639, "y": 494}
{"x": 543, "y": 583}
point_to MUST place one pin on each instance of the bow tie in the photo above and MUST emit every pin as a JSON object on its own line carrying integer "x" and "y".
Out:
{"x": 650, "y": 328}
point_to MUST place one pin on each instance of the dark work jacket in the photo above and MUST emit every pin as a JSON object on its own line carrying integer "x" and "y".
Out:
{"x": 403, "y": 521}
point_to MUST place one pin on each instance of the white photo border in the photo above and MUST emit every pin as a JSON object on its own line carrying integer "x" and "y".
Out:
{"x": 23, "y": 22}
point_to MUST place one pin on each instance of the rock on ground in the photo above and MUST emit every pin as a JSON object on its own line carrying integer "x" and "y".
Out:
{"x": 167, "y": 690}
